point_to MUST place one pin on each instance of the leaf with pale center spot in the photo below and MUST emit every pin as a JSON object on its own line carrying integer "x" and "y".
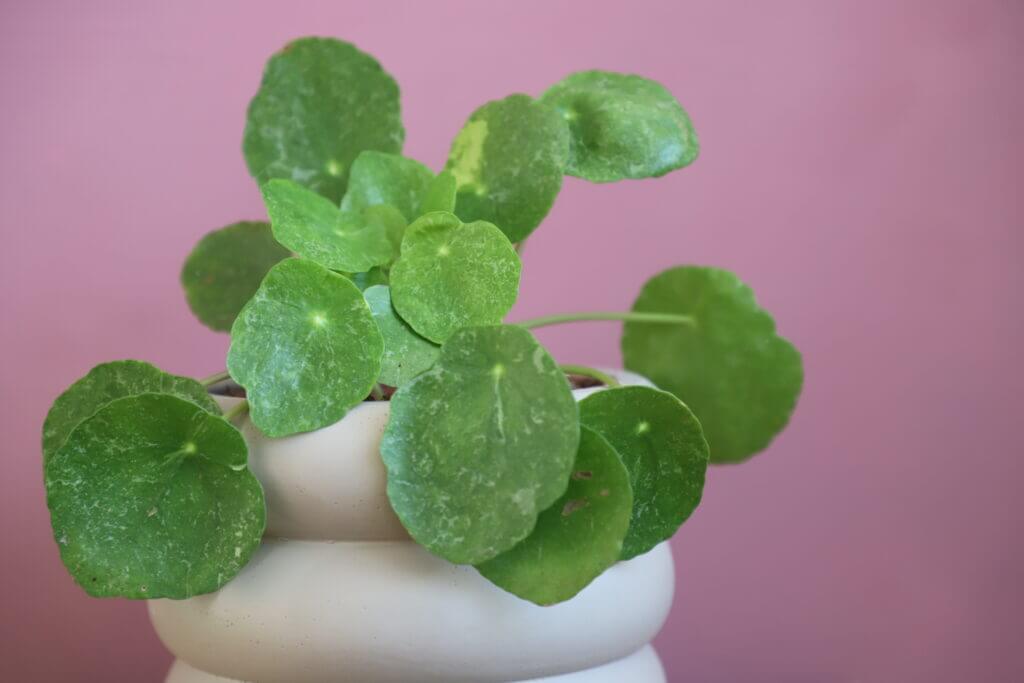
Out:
{"x": 440, "y": 196}
{"x": 378, "y": 178}
{"x": 480, "y": 444}
{"x": 453, "y": 275}
{"x": 306, "y": 349}
{"x": 406, "y": 354}
{"x": 575, "y": 539}
{"x": 738, "y": 376}
{"x": 622, "y": 126}
{"x": 508, "y": 162}
{"x": 663, "y": 448}
{"x": 321, "y": 103}
{"x": 151, "y": 498}
{"x": 107, "y": 382}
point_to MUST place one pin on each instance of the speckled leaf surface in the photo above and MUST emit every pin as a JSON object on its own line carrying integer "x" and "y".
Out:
{"x": 314, "y": 228}
{"x": 440, "y": 196}
{"x": 452, "y": 275}
{"x": 107, "y": 382}
{"x": 406, "y": 354}
{"x": 663, "y": 448}
{"x": 508, "y": 162}
{"x": 480, "y": 444}
{"x": 320, "y": 104}
{"x": 306, "y": 349}
{"x": 738, "y": 376}
{"x": 151, "y": 497}
{"x": 622, "y": 126}
{"x": 575, "y": 539}
{"x": 380, "y": 178}
{"x": 225, "y": 268}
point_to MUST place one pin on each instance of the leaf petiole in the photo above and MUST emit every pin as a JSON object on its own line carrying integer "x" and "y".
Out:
{"x": 214, "y": 378}
{"x": 629, "y": 316}
{"x": 602, "y": 377}
{"x": 240, "y": 408}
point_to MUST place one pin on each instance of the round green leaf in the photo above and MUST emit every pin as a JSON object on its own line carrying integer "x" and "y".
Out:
{"x": 379, "y": 178}
{"x": 406, "y": 354}
{"x": 740, "y": 378}
{"x": 110, "y": 381}
{"x": 453, "y": 275}
{"x": 388, "y": 221}
{"x": 314, "y": 228}
{"x": 479, "y": 445}
{"x": 575, "y": 539}
{"x": 151, "y": 498}
{"x": 225, "y": 268}
{"x": 622, "y": 126}
{"x": 305, "y": 348}
{"x": 663, "y": 448}
{"x": 508, "y": 162}
{"x": 440, "y": 196}
{"x": 320, "y": 104}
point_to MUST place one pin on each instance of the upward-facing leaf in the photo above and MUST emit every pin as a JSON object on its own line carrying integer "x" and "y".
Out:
{"x": 379, "y": 178}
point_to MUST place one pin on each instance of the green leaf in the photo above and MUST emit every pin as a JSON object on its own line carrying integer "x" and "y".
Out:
{"x": 306, "y": 349}
{"x": 575, "y": 539}
{"x": 374, "y": 276}
{"x": 107, "y": 382}
{"x": 740, "y": 378}
{"x": 664, "y": 451}
{"x": 508, "y": 162}
{"x": 389, "y": 221}
{"x": 440, "y": 196}
{"x": 406, "y": 354}
{"x": 151, "y": 498}
{"x": 379, "y": 178}
{"x": 622, "y": 126}
{"x": 314, "y": 228}
{"x": 320, "y": 104}
{"x": 225, "y": 268}
{"x": 479, "y": 445}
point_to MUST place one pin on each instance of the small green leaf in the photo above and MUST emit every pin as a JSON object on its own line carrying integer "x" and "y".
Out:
{"x": 374, "y": 276}
{"x": 406, "y": 354}
{"x": 452, "y": 275}
{"x": 440, "y": 196}
{"x": 480, "y": 444}
{"x": 508, "y": 162}
{"x": 664, "y": 451}
{"x": 306, "y": 349}
{"x": 379, "y": 178}
{"x": 389, "y": 221}
{"x": 107, "y": 382}
{"x": 314, "y": 228}
{"x": 575, "y": 539}
{"x": 622, "y": 126}
{"x": 740, "y": 378}
{"x": 320, "y": 104}
{"x": 151, "y": 498}
{"x": 225, "y": 268}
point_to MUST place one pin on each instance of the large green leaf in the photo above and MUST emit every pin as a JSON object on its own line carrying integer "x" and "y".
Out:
{"x": 225, "y": 268}
{"x": 479, "y": 445}
{"x": 151, "y": 498}
{"x": 379, "y": 178}
{"x": 406, "y": 354}
{"x": 440, "y": 196}
{"x": 306, "y": 348}
{"x": 107, "y": 382}
{"x": 622, "y": 126}
{"x": 453, "y": 275}
{"x": 320, "y": 104}
{"x": 508, "y": 162}
{"x": 575, "y": 539}
{"x": 663, "y": 448}
{"x": 738, "y": 376}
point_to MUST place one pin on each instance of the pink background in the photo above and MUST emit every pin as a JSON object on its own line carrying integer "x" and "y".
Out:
{"x": 860, "y": 168}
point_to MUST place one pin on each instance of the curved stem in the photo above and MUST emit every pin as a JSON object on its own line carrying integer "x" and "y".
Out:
{"x": 214, "y": 378}
{"x": 239, "y": 408}
{"x": 377, "y": 392}
{"x": 602, "y": 377}
{"x": 629, "y": 316}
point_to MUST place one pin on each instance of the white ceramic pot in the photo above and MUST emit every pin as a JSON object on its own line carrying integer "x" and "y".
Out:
{"x": 339, "y": 592}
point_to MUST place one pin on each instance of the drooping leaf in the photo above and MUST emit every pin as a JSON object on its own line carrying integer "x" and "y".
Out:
{"x": 575, "y": 539}
{"x": 452, "y": 275}
{"x": 730, "y": 367}
{"x": 225, "y": 268}
{"x": 380, "y": 178}
{"x": 312, "y": 227}
{"x": 151, "y": 498}
{"x": 663, "y": 448}
{"x": 406, "y": 354}
{"x": 440, "y": 196}
{"x": 320, "y": 104}
{"x": 480, "y": 444}
{"x": 306, "y": 348}
{"x": 622, "y": 126}
{"x": 508, "y": 162}
{"x": 107, "y": 382}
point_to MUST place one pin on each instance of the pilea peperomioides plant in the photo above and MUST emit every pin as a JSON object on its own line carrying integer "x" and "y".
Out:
{"x": 377, "y": 279}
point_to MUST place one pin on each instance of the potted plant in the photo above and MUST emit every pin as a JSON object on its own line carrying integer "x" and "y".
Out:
{"x": 389, "y": 482}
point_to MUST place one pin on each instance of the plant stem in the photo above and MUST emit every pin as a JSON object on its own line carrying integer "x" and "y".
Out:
{"x": 602, "y": 377}
{"x": 239, "y": 408}
{"x": 377, "y": 392}
{"x": 520, "y": 245}
{"x": 629, "y": 316}
{"x": 214, "y": 378}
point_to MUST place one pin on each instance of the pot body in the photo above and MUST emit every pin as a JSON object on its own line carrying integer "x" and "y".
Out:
{"x": 339, "y": 592}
